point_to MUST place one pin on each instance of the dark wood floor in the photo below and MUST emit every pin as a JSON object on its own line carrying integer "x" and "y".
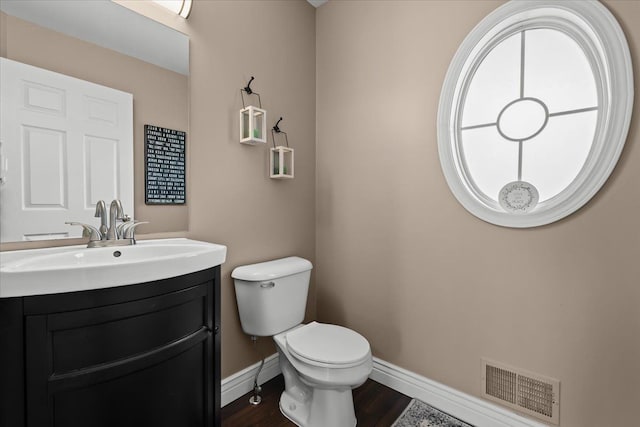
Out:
{"x": 376, "y": 406}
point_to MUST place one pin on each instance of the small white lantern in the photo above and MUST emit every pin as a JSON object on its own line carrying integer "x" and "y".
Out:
{"x": 281, "y": 163}
{"x": 253, "y": 125}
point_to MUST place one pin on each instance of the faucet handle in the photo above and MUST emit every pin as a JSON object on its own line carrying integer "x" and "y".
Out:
{"x": 130, "y": 229}
{"x": 126, "y": 222}
{"x": 90, "y": 230}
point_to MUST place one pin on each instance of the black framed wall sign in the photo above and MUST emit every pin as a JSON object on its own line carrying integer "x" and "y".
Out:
{"x": 165, "y": 166}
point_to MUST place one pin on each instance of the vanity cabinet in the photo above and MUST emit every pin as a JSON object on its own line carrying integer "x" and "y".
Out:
{"x": 137, "y": 355}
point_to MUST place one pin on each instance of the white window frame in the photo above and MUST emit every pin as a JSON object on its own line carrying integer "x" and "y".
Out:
{"x": 596, "y": 30}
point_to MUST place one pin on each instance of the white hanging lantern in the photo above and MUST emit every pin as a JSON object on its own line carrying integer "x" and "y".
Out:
{"x": 281, "y": 164}
{"x": 253, "y": 120}
{"x": 253, "y": 125}
{"x": 281, "y": 157}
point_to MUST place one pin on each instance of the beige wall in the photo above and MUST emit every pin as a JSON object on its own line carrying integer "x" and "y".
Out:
{"x": 160, "y": 97}
{"x": 396, "y": 257}
{"x": 232, "y": 199}
{"x": 433, "y": 288}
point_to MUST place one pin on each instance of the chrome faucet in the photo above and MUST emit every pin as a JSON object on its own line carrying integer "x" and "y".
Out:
{"x": 101, "y": 212}
{"x": 129, "y": 230}
{"x": 115, "y": 213}
{"x": 122, "y": 234}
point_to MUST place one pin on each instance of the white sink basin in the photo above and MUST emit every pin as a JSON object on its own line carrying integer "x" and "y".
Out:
{"x": 77, "y": 268}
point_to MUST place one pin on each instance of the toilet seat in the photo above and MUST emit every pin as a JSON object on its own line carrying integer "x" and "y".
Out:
{"x": 320, "y": 344}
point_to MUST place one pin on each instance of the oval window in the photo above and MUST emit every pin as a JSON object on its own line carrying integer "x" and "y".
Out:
{"x": 535, "y": 110}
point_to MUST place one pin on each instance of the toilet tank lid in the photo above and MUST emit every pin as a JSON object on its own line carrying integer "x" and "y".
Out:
{"x": 272, "y": 269}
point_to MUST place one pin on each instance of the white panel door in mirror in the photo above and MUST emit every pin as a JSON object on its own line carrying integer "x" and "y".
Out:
{"x": 68, "y": 144}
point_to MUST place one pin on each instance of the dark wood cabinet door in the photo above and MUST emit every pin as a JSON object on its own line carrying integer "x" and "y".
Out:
{"x": 111, "y": 360}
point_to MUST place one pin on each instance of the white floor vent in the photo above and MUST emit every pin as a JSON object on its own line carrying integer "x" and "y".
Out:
{"x": 530, "y": 393}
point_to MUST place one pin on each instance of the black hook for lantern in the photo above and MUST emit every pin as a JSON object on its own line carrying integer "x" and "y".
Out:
{"x": 275, "y": 130}
{"x": 247, "y": 88}
{"x": 249, "y": 91}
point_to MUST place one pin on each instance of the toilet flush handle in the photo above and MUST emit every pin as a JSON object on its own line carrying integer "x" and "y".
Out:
{"x": 267, "y": 284}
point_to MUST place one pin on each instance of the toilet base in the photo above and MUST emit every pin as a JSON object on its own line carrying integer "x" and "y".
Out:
{"x": 318, "y": 396}
{"x": 327, "y": 407}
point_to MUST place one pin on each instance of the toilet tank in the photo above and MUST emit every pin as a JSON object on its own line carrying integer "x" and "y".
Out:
{"x": 272, "y": 295}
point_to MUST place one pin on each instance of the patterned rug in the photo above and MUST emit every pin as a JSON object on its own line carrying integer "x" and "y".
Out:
{"x": 419, "y": 414}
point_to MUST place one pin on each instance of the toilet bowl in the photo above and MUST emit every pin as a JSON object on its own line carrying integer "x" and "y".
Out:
{"x": 321, "y": 363}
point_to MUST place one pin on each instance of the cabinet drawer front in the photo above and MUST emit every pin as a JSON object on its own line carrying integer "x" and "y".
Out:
{"x": 168, "y": 394}
{"x": 86, "y": 338}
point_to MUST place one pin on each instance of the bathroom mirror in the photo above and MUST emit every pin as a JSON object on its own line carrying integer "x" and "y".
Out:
{"x": 534, "y": 111}
{"x": 105, "y": 43}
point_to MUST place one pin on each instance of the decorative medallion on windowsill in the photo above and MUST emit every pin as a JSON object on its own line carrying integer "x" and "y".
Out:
{"x": 518, "y": 197}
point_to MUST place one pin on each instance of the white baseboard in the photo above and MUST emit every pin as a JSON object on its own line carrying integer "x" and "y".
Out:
{"x": 473, "y": 410}
{"x": 480, "y": 413}
{"x": 241, "y": 383}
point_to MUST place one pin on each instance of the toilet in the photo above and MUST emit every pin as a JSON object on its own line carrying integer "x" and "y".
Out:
{"x": 321, "y": 363}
